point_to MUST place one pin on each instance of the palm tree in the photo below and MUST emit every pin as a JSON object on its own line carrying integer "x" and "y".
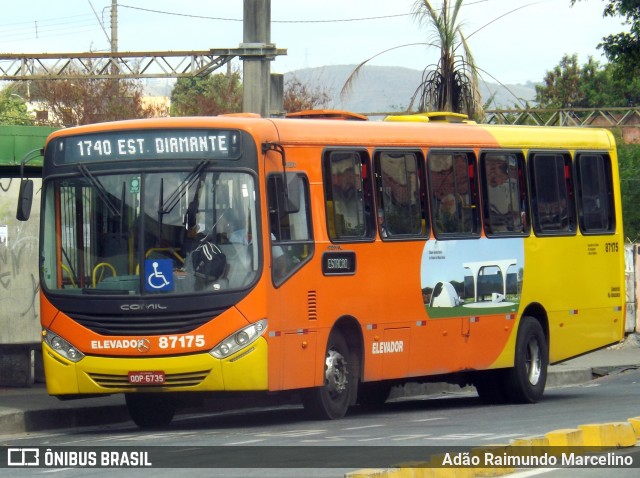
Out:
{"x": 452, "y": 84}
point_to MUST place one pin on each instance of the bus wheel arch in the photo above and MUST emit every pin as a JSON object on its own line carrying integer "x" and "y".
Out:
{"x": 341, "y": 373}
{"x": 514, "y": 384}
{"x": 526, "y": 380}
{"x": 538, "y": 312}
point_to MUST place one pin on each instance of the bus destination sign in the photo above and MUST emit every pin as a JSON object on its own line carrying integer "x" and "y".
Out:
{"x": 152, "y": 144}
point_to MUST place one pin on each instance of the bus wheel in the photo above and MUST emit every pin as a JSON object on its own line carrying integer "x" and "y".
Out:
{"x": 525, "y": 382}
{"x": 148, "y": 410}
{"x": 332, "y": 400}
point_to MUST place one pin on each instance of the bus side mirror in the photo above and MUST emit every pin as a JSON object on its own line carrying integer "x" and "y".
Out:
{"x": 25, "y": 198}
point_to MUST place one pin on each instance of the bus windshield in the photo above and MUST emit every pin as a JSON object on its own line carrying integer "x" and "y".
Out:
{"x": 170, "y": 232}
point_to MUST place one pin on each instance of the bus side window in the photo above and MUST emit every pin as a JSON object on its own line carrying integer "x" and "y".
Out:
{"x": 553, "y": 202}
{"x": 595, "y": 193}
{"x": 454, "y": 198}
{"x": 290, "y": 231}
{"x": 400, "y": 195}
{"x": 504, "y": 193}
{"x": 348, "y": 195}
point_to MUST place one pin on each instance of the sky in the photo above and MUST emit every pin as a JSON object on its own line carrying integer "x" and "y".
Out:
{"x": 521, "y": 39}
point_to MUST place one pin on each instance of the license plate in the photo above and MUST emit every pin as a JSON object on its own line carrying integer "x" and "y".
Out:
{"x": 146, "y": 378}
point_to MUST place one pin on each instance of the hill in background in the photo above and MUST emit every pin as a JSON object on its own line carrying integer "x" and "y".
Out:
{"x": 387, "y": 88}
{"x": 377, "y": 89}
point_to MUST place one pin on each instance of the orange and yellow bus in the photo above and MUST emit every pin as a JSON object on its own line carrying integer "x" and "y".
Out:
{"x": 329, "y": 258}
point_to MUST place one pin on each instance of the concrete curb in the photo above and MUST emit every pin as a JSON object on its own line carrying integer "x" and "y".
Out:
{"x": 71, "y": 414}
{"x": 21, "y": 421}
{"x": 569, "y": 376}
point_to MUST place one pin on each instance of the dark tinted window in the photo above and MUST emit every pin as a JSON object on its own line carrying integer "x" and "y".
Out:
{"x": 400, "y": 195}
{"x": 595, "y": 193}
{"x": 454, "y": 199}
{"x": 348, "y": 195}
{"x": 289, "y": 224}
{"x": 505, "y": 195}
{"x": 552, "y": 196}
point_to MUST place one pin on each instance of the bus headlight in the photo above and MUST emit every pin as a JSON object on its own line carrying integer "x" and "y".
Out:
{"x": 61, "y": 346}
{"x": 239, "y": 339}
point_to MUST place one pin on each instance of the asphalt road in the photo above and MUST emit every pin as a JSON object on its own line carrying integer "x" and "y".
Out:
{"x": 281, "y": 442}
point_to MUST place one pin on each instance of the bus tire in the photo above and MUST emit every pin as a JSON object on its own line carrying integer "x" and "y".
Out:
{"x": 149, "y": 410}
{"x": 332, "y": 400}
{"x": 525, "y": 382}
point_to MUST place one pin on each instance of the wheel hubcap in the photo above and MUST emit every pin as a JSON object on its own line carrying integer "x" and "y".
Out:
{"x": 533, "y": 362}
{"x": 336, "y": 373}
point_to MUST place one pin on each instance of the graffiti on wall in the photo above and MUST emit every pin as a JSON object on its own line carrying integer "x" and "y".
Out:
{"x": 19, "y": 284}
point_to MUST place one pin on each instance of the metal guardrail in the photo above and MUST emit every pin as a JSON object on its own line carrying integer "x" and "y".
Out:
{"x": 584, "y": 117}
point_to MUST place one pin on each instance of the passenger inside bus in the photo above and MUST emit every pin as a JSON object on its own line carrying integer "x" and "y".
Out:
{"x": 400, "y": 195}
{"x": 450, "y": 180}
{"x": 347, "y": 195}
{"x": 503, "y": 195}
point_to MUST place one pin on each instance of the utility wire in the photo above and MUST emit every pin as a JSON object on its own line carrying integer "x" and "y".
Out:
{"x": 46, "y": 28}
{"x": 64, "y": 26}
{"x": 203, "y": 17}
{"x": 84, "y": 19}
{"x": 335, "y": 20}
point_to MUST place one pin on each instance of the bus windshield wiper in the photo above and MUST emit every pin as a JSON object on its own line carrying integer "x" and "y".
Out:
{"x": 102, "y": 192}
{"x": 165, "y": 207}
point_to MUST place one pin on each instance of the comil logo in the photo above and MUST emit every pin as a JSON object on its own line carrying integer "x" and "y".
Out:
{"x": 23, "y": 457}
{"x": 144, "y": 346}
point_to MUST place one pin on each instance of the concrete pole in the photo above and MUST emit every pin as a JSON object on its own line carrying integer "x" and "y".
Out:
{"x": 114, "y": 26}
{"x": 256, "y": 71}
{"x": 114, "y": 83}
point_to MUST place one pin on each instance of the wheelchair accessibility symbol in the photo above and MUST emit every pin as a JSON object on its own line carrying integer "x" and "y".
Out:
{"x": 159, "y": 274}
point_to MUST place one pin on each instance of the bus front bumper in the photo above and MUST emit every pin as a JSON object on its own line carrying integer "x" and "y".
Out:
{"x": 246, "y": 370}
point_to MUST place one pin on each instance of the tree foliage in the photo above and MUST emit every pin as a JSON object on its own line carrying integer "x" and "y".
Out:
{"x": 560, "y": 88}
{"x": 629, "y": 166}
{"x": 84, "y": 100}
{"x": 623, "y": 48}
{"x": 222, "y": 93}
{"x": 212, "y": 95}
{"x": 13, "y": 108}
{"x": 592, "y": 85}
{"x": 299, "y": 96}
